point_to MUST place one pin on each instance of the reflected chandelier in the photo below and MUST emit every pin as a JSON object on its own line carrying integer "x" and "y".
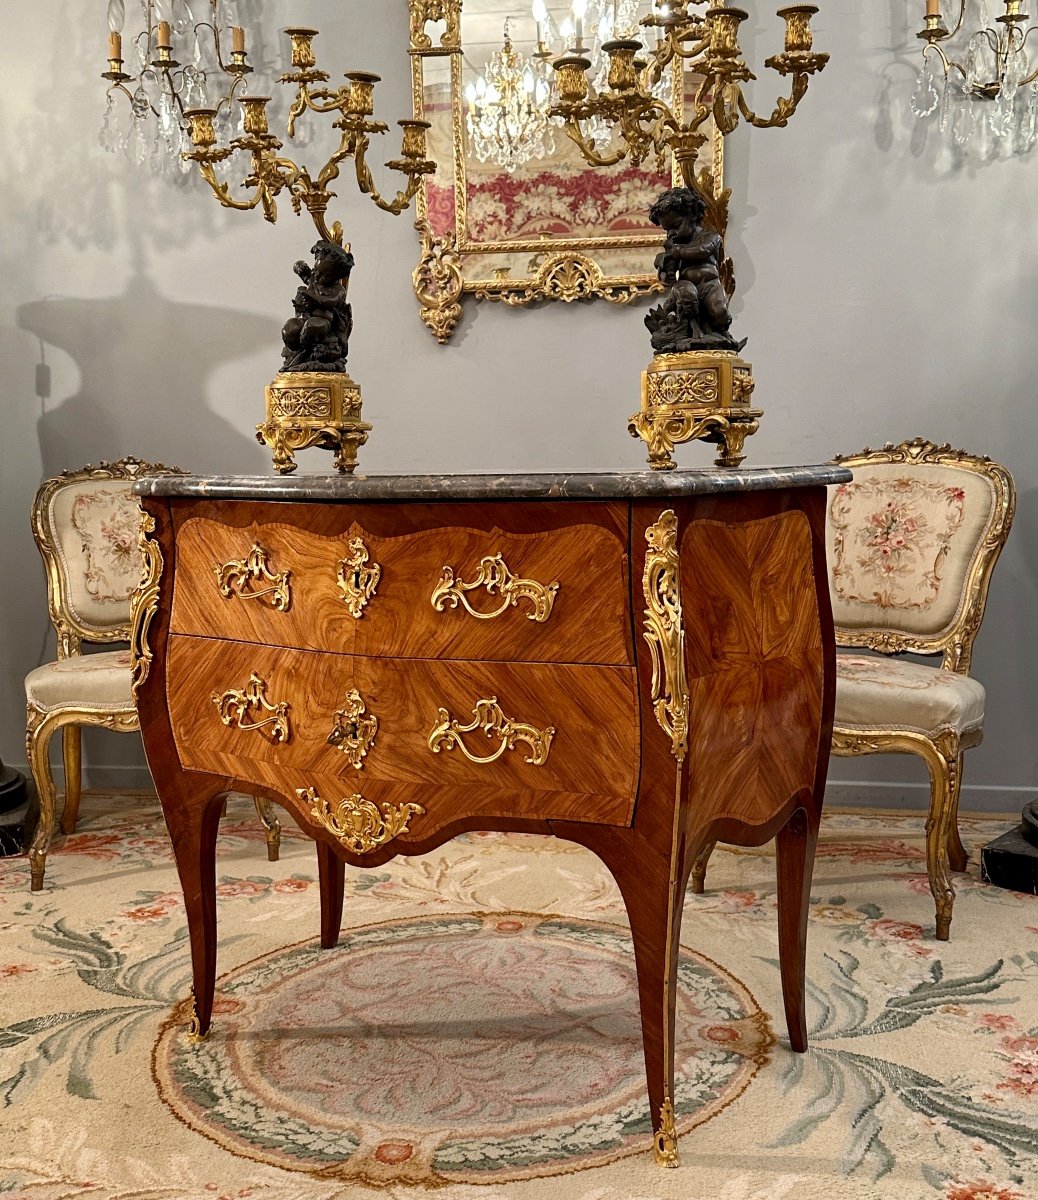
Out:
{"x": 507, "y": 116}
{"x": 993, "y": 72}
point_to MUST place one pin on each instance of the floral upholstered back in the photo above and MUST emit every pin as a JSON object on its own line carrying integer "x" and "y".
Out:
{"x": 86, "y": 525}
{"x": 910, "y": 547}
{"x": 95, "y": 526}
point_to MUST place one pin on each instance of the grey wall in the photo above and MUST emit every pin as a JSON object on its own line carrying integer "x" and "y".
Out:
{"x": 888, "y": 287}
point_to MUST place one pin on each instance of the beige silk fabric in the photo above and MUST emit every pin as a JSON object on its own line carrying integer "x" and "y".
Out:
{"x": 99, "y": 681}
{"x": 900, "y": 544}
{"x": 885, "y": 693}
{"x": 94, "y": 525}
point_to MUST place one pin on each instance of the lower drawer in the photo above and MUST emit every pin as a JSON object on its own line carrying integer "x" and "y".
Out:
{"x": 487, "y": 739}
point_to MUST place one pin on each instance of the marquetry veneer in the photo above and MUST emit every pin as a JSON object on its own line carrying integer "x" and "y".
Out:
{"x": 638, "y": 663}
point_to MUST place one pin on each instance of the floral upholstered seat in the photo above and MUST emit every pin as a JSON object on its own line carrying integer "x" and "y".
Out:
{"x": 86, "y": 527}
{"x": 911, "y": 544}
{"x": 98, "y": 680}
{"x": 874, "y": 691}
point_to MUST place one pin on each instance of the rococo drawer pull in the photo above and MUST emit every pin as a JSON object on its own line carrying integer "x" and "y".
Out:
{"x": 489, "y": 717}
{"x": 236, "y": 709}
{"x": 354, "y": 730}
{"x": 357, "y": 581}
{"x": 237, "y": 576}
{"x": 495, "y": 576}
{"x": 359, "y": 824}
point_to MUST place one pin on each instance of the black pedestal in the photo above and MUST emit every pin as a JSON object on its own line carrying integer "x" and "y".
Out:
{"x": 1011, "y": 861}
{"x": 14, "y": 809}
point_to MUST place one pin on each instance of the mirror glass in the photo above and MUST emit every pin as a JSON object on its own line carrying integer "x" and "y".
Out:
{"x": 514, "y": 206}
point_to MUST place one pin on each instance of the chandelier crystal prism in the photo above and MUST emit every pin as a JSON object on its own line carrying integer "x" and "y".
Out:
{"x": 976, "y": 77}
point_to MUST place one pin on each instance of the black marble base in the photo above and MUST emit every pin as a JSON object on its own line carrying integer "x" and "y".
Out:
{"x": 12, "y": 789}
{"x": 1011, "y": 861}
{"x": 16, "y": 829}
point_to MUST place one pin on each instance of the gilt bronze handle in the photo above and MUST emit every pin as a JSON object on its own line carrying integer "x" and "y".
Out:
{"x": 497, "y": 579}
{"x": 237, "y": 708}
{"x": 236, "y": 578}
{"x": 487, "y": 716}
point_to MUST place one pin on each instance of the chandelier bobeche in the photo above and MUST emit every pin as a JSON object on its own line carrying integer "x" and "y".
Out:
{"x": 976, "y": 76}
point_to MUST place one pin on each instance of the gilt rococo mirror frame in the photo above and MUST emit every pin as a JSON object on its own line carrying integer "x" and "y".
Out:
{"x": 453, "y": 265}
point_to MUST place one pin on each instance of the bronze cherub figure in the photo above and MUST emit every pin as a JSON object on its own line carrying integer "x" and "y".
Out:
{"x": 317, "y": 337}
{"x": 693, "y": 315}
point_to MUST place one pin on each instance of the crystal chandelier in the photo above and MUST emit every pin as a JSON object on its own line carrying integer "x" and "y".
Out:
{"x": 989, "y": 85}
{"x": 160, "y": 88}
{"x": 508, "y": 109}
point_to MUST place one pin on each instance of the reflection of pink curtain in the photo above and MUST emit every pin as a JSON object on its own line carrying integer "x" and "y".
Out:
{"x": 590, "y": 203}
{"x": 439, "y": 204}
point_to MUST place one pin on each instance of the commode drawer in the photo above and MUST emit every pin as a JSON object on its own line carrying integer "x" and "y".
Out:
{"x": 558, "y": 740}
{"x": 450, "y": 591}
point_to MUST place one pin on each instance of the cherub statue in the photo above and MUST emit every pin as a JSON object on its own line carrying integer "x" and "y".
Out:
{"x": 317, "y": 337}
{"x": 694, "y": 313}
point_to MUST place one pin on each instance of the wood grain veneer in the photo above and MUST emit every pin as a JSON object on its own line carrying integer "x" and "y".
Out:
{"x": 590, "y": 774}
{"x": 589, "y": 620}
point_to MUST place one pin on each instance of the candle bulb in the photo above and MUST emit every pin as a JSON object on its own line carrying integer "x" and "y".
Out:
{"x": 237, "y": 39}
{"x": 933, "y": 8}
{"x": 164, "y": 38}
{"x": 115, "y": 45}
{"x": 579, "y": 12}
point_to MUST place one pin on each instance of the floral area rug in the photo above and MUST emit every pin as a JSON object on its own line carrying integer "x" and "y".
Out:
{"x": 475, "y": 1034}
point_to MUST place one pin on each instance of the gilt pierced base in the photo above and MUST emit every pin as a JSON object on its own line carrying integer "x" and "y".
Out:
{"x": 701, "y": 395}
{"x": 313, "y": 408}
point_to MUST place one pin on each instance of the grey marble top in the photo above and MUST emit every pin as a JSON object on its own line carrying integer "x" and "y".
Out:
{"x": 611, "y": 485}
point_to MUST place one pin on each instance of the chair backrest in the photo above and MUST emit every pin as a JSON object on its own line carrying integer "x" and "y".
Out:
{"x": 86, "y": 526}
{"x": 911, "y": 543}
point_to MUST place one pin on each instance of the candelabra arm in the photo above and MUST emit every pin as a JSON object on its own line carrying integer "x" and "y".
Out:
{"x": 962, "y": 17}
{"x": 785, "y": 106}
{"x": 366, "y": 183}
{"x": 587, "y": 149}
{"x": 223, "y": 193}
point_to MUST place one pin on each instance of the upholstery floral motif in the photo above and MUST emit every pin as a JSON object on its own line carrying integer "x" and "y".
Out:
{"x": 891, "y": 539}
{"x": 107, "y": 524}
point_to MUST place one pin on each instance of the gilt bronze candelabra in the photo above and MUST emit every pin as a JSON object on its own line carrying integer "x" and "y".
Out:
{"x": 312, "y": 401}
{"x": 697, "y": 386}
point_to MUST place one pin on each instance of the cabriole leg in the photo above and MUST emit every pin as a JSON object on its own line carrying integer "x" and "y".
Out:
{"x": 331, "y": 872}
{"x": 72, "y": 753}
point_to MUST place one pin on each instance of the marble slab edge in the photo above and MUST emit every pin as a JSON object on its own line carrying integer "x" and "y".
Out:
{"x": 617, "y": 485}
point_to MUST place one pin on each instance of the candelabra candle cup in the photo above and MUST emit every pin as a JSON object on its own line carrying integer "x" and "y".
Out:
{"x": 572, "y": 79}
{"x": 254, "y": 114}
{"x": 798, "y": 27}
{"x": 203, "y": 135}
{"x": 414, "y": 138}
{"x": 724, "y": 30}
{"x": 302, "y": 47}
{"x": 623, "y": 70}
{"x": 361, "y": 100}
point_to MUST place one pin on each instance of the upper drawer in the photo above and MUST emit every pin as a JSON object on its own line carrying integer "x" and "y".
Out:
{"x": 378, "y": 586}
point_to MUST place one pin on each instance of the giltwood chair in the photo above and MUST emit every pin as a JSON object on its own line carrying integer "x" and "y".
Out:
{"x": 911, "y": 545}
{"x": 86, "y": 527}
